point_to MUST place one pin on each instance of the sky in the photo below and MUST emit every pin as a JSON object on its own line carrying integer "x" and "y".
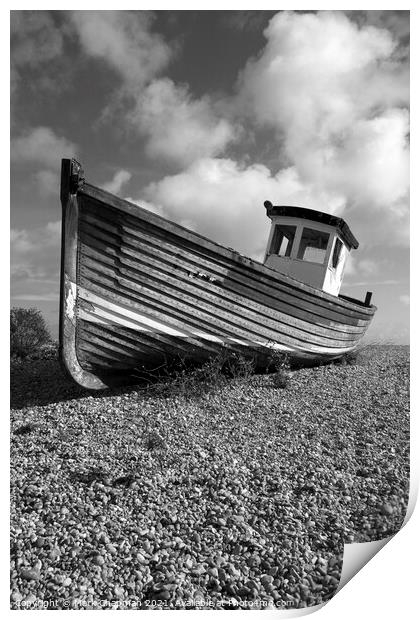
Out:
{"x": 201, "y": 116}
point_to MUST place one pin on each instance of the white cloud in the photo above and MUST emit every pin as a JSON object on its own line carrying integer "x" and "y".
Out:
{"x": 368, "y": 282}
{"x": 119, "y": 180}
{"x": 125, "y": 41}
{"x": 41, "y": 146}
{"x": 25, "y": 241}
{"x": 180, "y": 128}
{"x": 43, "y": 149}
{"x": 35, "y": 40}
{"x": 367, "y": 266}
{"x": 36, "y": 297}
{"x": 332, "y": 92}
{"x": 335, "y": 94}
{"x": 224, "y": 200}
{"x": 144, "y": 204}
{"x": 372, "y": 167}
{"x": 397, "y": 22}
{"x": 367, "y": 271}
{"x": 48, "y": 182}
{"x": 20, "y": 241}
{"x": 35, "y": 261}
{"x": 320, "y": 72}
{"x": 53, "y": 230}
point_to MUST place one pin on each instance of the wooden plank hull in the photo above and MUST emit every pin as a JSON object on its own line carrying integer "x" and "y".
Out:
{"x": 139, "y": 291}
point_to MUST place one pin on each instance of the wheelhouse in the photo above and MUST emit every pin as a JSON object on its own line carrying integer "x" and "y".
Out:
{"x": 309, "y": 245}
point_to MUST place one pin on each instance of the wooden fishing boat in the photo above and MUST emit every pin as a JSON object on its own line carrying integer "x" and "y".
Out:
{"x": 139, "y": 291}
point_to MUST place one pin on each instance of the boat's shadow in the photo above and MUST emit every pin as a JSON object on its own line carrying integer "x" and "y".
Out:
{"x": 38, "y": 383}
{"x": 41, "y": 382}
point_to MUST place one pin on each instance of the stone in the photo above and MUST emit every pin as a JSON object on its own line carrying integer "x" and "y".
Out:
{"x": 40, "y": 541}
{"x": 111, "y": 549}
{"x": 30, "y": 574}
{"x": 54, "y": 554}
{"x": 267, "y": 579}
{"x": 387, "y": 509}
{"x": 163, "y": 595}
{"x": 29, "y": 599}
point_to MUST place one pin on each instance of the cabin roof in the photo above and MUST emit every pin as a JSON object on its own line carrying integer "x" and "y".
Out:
{"x": 314, "y": 216}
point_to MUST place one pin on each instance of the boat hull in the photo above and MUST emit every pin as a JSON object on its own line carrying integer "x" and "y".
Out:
{"x": 138, "y": 291}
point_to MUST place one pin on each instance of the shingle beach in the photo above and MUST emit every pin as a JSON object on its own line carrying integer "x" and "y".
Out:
{"x": 235, "y": 493}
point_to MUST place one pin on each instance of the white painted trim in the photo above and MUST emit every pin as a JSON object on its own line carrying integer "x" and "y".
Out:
{"x": 106, "y": 312}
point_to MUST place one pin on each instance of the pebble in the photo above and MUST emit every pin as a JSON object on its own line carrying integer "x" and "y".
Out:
{"x": 111, "y": 549}
{"x": 267, "y": 579}
{"x": 387, "y": 509}
{"x": 237, "y": 527}
{"x": 164, "y": 595}
{"x": 119, "y": 591}
{"x": 30, "y": 574}
{"x": 40, "y": 541}
{"x": 29, "y": 599}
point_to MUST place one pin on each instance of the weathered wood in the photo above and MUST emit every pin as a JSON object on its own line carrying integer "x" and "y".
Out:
{"x": 368, "y": 298}
{"x": 197, "y": 241}
{"x": 147, "y": 272}
{"x": 121, "y": 244}
{"x": 138, "y": 290}
{"x": 190, "y": 300}
{"x": 68, "y": 278}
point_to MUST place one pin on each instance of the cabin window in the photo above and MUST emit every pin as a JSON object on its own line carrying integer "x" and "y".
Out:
{"x": 282, "y": 241}
{"x": 313, "y": 245}
{"x": 337, "y": 252}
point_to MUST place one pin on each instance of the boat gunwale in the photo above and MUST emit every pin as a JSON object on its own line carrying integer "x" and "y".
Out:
{"x": 135, "y": 210}
{"x": 129, "y": 261}
{"x": 329, "y": 330}
{"x": 101, "y": 227}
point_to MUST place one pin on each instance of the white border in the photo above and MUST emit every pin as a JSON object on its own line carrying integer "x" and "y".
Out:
{"x": 387, "y": 586}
